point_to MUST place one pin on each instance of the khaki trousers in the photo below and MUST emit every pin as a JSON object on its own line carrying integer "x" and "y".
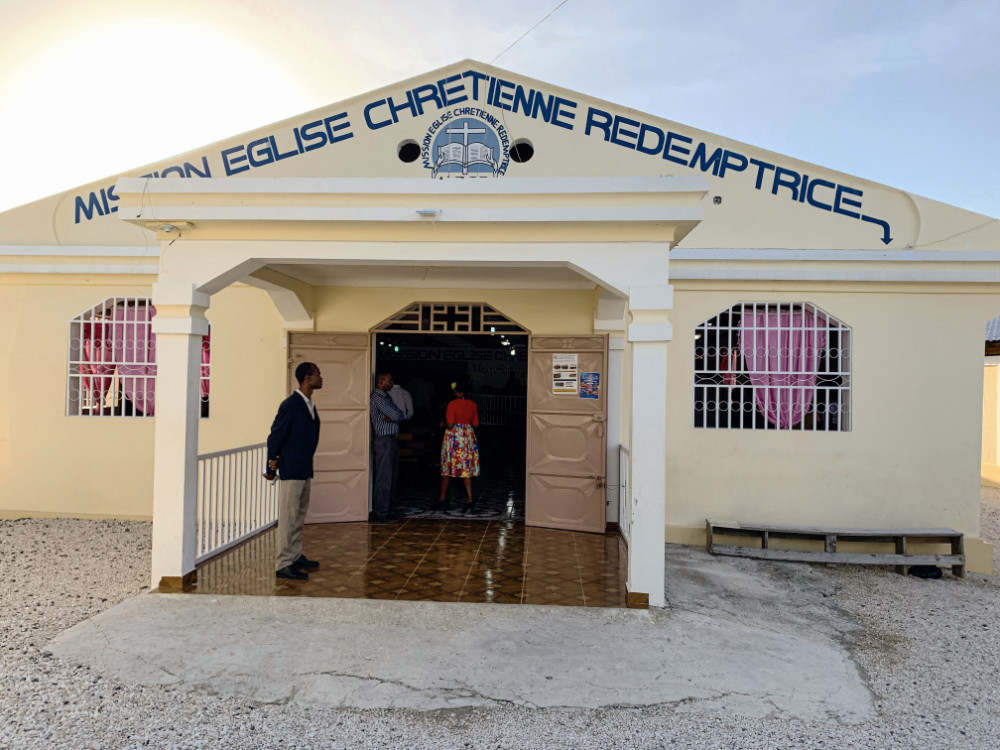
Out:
{"x": 293, "y": 502}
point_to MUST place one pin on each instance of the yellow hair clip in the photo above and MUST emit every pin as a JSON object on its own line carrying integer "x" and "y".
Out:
{"x": 454, "y": 386}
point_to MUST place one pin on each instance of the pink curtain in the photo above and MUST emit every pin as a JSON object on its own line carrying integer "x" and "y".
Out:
{"x": 135, "y": 354}
{"x": 127, "y": 342}
{"x": 97, "y": 359}
{"x": 206, "y": 360}
{"x": 781, "y": 350}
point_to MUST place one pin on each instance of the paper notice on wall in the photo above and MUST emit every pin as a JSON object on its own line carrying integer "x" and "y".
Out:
{"x": 565, "y": 373}
{"x": 590, "y": 385}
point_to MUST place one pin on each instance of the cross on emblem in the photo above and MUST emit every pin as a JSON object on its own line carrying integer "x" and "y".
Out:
{"x": 465, "y": 131}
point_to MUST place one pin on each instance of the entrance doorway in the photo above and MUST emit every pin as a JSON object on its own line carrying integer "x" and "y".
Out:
{"x": 543, "y": 411}
{"x": 538, "y": 529}
{"x": 491, "y": 368}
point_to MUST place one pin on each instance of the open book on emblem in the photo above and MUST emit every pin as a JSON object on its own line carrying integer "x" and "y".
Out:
{"x": 465, "y": 156}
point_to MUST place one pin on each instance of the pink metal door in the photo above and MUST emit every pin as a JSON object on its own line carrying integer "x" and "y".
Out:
{"x": 340, "y": 484}
{"x": 566, "y": 432}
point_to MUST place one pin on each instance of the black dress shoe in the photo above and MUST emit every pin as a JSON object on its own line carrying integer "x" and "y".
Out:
{"x": 384, "y": 519}
{"x": 292, "y": 573}
{"x": 305, "y": 562}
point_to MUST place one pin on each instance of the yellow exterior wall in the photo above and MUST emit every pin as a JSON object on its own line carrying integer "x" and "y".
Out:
{"x": 54, "y": 464}
{"x": 349, "y": 309}
{"x": 911, "y": 456}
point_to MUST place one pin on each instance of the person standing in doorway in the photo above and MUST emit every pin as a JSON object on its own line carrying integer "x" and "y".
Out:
{"x": 459, "y": 450}
{"x": 402, "y": 399}
{"x": 385, "y": 416}
{"x": 290, "y": 449}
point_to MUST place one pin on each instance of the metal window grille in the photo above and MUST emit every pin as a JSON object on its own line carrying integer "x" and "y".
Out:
{"x": 773, "y": 366}
{"x": 501, "y": 410}
{"x": 433, "y": 317}
{"x": 111, "y": 364}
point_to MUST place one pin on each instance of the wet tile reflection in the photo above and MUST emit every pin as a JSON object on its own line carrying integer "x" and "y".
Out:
{"x": 446, "y": 560}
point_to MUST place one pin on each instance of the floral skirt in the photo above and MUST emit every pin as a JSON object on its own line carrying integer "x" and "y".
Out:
{"x": 460, "y": 452}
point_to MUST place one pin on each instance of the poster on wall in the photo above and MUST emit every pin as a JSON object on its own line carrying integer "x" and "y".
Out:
{"x": 590, "y": 385}
{"x": 564, "y": 373}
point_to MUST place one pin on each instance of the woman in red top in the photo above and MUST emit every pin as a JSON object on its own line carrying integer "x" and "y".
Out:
{"x": 459, "y": 450}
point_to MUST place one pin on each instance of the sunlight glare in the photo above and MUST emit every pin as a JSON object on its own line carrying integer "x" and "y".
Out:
{"x": 124, "y": 94}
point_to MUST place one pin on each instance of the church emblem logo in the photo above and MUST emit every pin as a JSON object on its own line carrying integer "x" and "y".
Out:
{"x": 466, "y": 146}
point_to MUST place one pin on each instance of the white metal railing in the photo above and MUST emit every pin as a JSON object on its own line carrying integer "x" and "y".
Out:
{"x": 234, "y": 500}
{"x": 624, "y": 493}
{"x": 501, "y": 411}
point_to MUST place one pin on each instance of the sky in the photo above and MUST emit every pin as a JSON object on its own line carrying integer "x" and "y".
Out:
{"x": 902, "y": 92}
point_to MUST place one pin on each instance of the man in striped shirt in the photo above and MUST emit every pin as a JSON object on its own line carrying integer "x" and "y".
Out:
{"x": 385, "y": 416}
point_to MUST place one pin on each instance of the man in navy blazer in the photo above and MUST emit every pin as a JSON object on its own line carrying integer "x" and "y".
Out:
{"x": 290, "y": 448}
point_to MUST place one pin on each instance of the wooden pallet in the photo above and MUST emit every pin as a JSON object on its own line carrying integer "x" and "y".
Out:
{"x": 830, "y": 537}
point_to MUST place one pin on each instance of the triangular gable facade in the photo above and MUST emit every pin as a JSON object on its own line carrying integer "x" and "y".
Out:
{"x": 473, "y": 120}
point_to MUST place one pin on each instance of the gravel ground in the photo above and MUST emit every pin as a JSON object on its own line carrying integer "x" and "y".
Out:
{"x": 929, "y": 652}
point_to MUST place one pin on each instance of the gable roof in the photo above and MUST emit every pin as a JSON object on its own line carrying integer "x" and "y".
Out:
{"x": 757, "y": 198}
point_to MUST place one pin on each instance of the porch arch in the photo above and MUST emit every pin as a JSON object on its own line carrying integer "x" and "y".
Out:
{"x": 214, "y": 232}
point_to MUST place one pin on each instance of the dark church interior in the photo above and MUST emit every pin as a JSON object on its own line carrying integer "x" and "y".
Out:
{"x": 495, "y": 368}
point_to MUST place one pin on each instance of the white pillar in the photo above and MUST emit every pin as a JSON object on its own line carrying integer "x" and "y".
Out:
{"x": 179, "y": 326}
{"x": 649, "y": 332}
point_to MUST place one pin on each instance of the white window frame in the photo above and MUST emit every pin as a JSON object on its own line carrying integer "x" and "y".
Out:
{"x": 92, "y": 330}
{"x": 723, "y": 396}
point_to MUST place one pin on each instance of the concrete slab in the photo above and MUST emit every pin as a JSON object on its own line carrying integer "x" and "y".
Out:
{"x": 738, "y": 637}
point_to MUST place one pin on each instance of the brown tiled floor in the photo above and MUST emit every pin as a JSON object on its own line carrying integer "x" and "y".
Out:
{"x": 441, "y": 560}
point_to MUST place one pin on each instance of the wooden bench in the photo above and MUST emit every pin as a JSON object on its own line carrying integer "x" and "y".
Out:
{"x": 902, "y": 558}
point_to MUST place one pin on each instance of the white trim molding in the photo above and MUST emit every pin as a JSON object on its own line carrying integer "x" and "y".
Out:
{"x": 413, "y": 186}
{"x": 784, "y": 264}
{"x": 72, "y": 251}
{"x": 424, "y": 214}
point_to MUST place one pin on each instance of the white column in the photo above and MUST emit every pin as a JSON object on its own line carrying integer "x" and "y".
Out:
{"x": 179, "y": 325}
{"x": 649, "y": 332}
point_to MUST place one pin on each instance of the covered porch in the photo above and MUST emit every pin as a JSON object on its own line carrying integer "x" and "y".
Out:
{"x": 613, "y": 234}
{"x": 434, "y": 560}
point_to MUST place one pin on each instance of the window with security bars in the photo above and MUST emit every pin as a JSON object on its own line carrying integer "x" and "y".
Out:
{"x": 773, "y": 366}
{"x": 112, "y": 361}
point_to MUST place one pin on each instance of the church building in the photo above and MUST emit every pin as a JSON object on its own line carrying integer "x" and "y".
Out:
{"x": 669, "y": 325}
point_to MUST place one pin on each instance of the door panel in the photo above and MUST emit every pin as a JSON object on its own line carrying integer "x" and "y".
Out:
{"x": 541, "y": 397}
{"x": 327, "y": 485}
{"x": 564, "y": 444}
{"x": 566, "y": 438}
{"x": 340, "y": 485}
{"x": 341, "y": 448}
{"x": 575, "y": 503}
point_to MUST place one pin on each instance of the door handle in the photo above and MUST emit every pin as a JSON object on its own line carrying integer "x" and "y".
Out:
{"x": 600, "y": 419}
